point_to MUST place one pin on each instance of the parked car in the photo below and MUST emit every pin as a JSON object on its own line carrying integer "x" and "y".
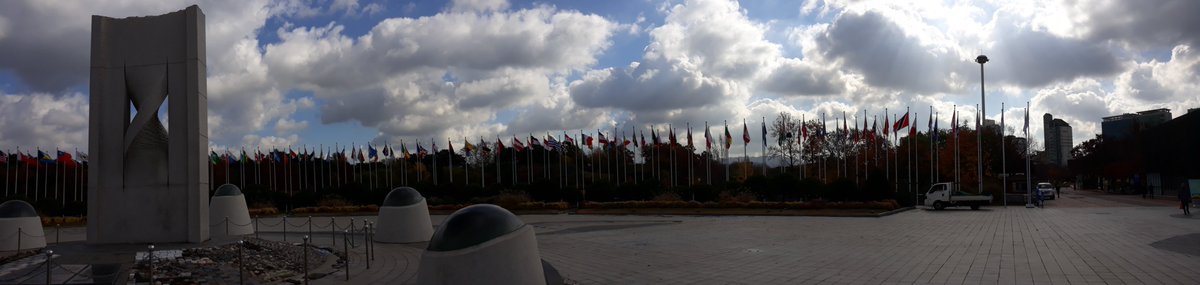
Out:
{"x": 1047, "y": 190}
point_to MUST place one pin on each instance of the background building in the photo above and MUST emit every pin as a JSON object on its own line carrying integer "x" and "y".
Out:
{"x": 1125, "y": 126}
{"x": 1057, "y": 140}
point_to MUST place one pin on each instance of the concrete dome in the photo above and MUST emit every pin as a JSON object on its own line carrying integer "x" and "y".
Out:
{"x": 473, "y": 225}
{"x": 228, "y": 190}
{"x": 17, "y": 209}
{"x": 402, "y": 196}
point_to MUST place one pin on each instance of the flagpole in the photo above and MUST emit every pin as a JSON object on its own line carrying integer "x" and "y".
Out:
{"x": 1028, "y": 176}
{"x": 1003, "y": 158}
{"x": 896, "y": 156}
{"x": 764, "y": 145}
{"x": 689, "y": 158}
{"x": 671, "y": 156}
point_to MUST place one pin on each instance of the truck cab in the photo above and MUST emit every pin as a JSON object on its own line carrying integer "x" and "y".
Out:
{"x": 942, "y": 195}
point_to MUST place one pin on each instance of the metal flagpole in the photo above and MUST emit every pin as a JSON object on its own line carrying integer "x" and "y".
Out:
{"x": 1028, "y": 176}
{"x": 1003, "y": 158}
{"x": 708, "y": 153}
{"x": 764, "y": 145}
{"x": 689, "y": 157}
{"x": 671, "y": 147}
{"x": 450, "y": 157}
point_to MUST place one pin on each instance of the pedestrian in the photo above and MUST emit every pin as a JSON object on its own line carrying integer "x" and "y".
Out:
{"x": 1057, "y": 190}
{"x": 1150, "y": 191}
{"x": 1185, "y": 198}
{"x": 1038, "y": 196}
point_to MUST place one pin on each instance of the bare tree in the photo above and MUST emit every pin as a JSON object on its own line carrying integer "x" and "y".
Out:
{"x": 785, "y": 130}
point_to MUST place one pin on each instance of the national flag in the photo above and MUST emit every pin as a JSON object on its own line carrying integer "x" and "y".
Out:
{"x": 745, "y": 133}
{"x": 803, "y": 130}
{"x": 689, "y": 136}
{"x": 587, "y": 140}
{"x": 654, "y": 137}
{"x": 371, "y": 153}
{"x": 728, "y": 137}
{"x": 450, "y": 147}
{"x": 245, "y": 158}
{"x": 212, "y": 157}
{"x": 671, "y": 137}
{"x": 387, "y": 151}
{"x": 764, "y": 132}
{"x": 624, "y": 140}
{"x": 44, "y": 157}
{"x": 404, "y": 150}
{"x": 643, "y": 138}
{"x": 934, "y": 129}
{"x": 568, "y": 139}
{"x": 82, "y": 157}
{"x": 3, "y": 158}
{"x": 707, "y": 138}
{"x": 552, "y": 143}
{"x": 534, "y": 141}
{"x": 954, "y": 123}
{"x": 885, "y": 125}
{"x": 900, "y": 124}
{"x": 421, "y": 151}
{"x": 912, "y": 130}
{"x": 603, "y": 139}
{"x": 977, "y": 115}
{"x": 483, "y": 146}
{"x": 64, "y": 158}
{"x": 518, "y": 145}
{"x": 499, "y": 144}
{"x": 1026, "y": 121}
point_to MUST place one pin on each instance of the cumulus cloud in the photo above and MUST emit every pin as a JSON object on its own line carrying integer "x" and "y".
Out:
{"x": 40, "y": 119}
{"x": 1150, "y": 23}
{"x": 428, "y": 76}
{"x": 1172, "y": 84}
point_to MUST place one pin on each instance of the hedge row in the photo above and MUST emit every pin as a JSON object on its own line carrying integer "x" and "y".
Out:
{"x": 818, "y": 204}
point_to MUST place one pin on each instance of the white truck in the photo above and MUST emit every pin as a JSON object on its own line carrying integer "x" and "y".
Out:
{"x": 944, "y": 195}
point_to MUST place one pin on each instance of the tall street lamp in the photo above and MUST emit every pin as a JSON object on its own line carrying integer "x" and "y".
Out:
{"x": 981, "y": 59}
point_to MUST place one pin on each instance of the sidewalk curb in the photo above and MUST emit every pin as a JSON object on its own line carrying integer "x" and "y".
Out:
{"x": 896, "y": 211}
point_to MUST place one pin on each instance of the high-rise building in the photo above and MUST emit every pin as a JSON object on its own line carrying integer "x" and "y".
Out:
{"x": 1057, "y": 135}
{"x": 1125, "y": 126}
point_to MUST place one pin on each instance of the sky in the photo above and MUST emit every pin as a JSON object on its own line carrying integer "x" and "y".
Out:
{"x": 315, "y": 73}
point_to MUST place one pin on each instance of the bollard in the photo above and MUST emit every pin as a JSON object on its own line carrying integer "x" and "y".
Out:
{"x": 366, "y": 229}
{"x": 305, "y": 256}
{"x": 49, "y": 254}
{"x": 150, "y": 259}
{"x": 285, "y": 228}
{"x": 19, "y": 233}
{"x": 333, "y": 231}
{"x": 346, "y": 245}
{"x": 57, "y": 233}
{"x": 226, "y": 225}
{"x": 241, "y": 264}
{"x": 373, "y": 249}
{"x": 255, "y": 226}
{"x": 309, "y": 225}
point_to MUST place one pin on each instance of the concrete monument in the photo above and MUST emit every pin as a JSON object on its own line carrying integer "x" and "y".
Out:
{"x": 228, "y": 213}
{"x": 403, "y": 217}
{"x": 22, "y": 226}
{"x": 482, "y": 244}
{"x": 149, "y": 182}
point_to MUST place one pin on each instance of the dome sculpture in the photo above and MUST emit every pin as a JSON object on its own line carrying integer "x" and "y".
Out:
{"x": 482, "y": 244}
{"x": 21, "y": 221}
{"x": 228, "y": 214}
{"x": 403, "y": 217}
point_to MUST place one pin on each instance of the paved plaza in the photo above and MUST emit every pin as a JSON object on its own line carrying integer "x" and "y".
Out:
{"x": 1081, "y": 238}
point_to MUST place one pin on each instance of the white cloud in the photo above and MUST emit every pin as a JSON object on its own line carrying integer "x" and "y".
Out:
{"x": 40, "y": 119}
{"x": 428, "y": 76}
{"x": 478, "y": 5}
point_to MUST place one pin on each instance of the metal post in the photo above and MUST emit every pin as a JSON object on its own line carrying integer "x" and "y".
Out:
{"x": 367, "y": 244}
{"x": 305, "y": 260}
{"x": 285, "y": 228}
{"x": 57, "y": 233}
{"x": 19, "y": 233}
{"x": 981, "y": 59}
{"x": 49, "y": 255}
{"x": 333, "y": 230}
{"x": 309, "y": 225}
{"x": 226, "y": 225}
{"x": 346, "y": 247}
{"x": 150, "y": 259}
{"x": 255, "y": 227}
{"x": 241, "y": 264}
{"x": 372, "y": 233}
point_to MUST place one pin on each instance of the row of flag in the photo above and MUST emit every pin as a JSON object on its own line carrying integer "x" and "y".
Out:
{"x": 42, "y": 157}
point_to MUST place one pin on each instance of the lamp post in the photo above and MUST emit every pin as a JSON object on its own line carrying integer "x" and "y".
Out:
{"x": 981, "y": 59}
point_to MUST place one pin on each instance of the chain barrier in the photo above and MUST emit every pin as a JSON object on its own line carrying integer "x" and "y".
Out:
{"x": 269, "y": 225}
{"x": 43, "y": 235}
{"x": 242, "y": 225}
{"x": 300, "y": 225}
